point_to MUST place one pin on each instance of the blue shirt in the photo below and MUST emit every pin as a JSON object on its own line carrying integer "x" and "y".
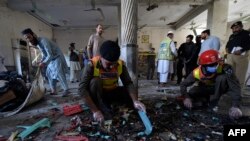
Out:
{"x": 212, "y": 42}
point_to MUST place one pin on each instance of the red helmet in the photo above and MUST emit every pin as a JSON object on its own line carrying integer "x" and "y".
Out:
{"x": 209, "y": 57}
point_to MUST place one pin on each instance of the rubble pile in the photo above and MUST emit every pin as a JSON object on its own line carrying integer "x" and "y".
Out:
{"x": 170, "y": 121}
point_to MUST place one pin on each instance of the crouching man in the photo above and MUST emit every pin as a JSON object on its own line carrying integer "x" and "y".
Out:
{"x": 214, "y": 79}
{"x": 99, "y": 83}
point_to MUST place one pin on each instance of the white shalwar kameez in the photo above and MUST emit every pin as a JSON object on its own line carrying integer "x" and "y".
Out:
{"x": 166, "y": 66}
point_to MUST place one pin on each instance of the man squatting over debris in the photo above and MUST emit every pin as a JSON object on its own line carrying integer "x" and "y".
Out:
{"x": 99, "y": 85}
{"x": 214, "y": 78}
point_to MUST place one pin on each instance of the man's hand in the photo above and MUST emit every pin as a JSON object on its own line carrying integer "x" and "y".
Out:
{"x": 98, "y": 116}
{"x": 188, "y": 103}
{"x": 140, "y": 106}
{"x": 235, "y": 113}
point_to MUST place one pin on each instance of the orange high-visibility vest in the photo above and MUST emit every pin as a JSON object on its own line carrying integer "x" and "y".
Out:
{"x": 110, "y": 78}
{"x": 197, "y": 73}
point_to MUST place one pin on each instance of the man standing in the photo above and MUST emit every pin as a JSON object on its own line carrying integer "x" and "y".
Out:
{"x": 214, "y": 79}
{"x": 198, "y": 47}
{"x": 187, "y": 53}
{"x": 99, "y": 83}
{"x": 166, "y": 54}
{"x": 52, "y": 57}
{"x": 95, "y": 41}
{"x": 75, "y": 66}
{"x": 2, "y": 67}
{"x": 151, "y": 63}
{"x": 210, "y": 42}
{"x": 237, "y": 48}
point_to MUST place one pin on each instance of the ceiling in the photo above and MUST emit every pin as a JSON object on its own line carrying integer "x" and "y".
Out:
{"x": 88, "y": 13}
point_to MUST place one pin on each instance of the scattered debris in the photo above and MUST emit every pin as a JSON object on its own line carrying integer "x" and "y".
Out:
{"x": 71, "y": 138}
{"x": 146, "y": 123}
{"x": 29, "y": 129}
{"x": 73, "y": 109}
{"x": 13, "y": 136}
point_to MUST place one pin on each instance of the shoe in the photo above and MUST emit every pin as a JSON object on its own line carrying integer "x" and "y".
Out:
{"x": 72, "y": 81}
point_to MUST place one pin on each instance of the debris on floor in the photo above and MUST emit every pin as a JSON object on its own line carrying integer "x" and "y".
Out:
{"x": 169, "y": 121}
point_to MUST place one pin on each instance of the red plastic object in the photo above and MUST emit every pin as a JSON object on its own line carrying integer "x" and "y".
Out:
{"x": 73, "y": 109}
{"x": 3, "y": 139}
{"x": 72, "y": 138}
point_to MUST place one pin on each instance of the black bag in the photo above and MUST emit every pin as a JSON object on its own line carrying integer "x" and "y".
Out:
{"x": 13, "y": 82}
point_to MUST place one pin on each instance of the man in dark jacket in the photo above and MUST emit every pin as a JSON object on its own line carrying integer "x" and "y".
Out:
{"x": 151, "y": 63}
{"x": 99, "y": 83}
{"x": 186, "y": 56}
{"x": 237, "y": 48}
{"x": 214, "y": 78}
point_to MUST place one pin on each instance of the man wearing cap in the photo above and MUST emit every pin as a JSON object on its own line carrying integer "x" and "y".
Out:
{"x": 52, "y": 57}
{"x": 74, "y": 61}
{"x": 237, "y": 48}
{"x": 209, "y": 42}
{"x": 166, "y": 54}
{"x": 99, "y": 83}
{"x": 95, "y": 41}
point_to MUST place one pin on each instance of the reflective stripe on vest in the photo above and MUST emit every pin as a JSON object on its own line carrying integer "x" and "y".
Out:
{"x": 197, "y": 73}
{"x": 165, "y": 52}
{"x": 110, "y": 78}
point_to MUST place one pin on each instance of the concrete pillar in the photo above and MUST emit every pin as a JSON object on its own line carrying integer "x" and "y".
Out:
{"x": 217, "y": 20}
{"x": 119, "y": 24}
{"x": 129, "y": 46}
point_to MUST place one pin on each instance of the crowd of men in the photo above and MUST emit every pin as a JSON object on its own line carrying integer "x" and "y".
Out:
{"x": 204, "y": 65}
{"x": 201, "y": 61}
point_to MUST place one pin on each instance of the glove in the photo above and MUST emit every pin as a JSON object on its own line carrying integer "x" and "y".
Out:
{"x": 140, "y": 106}
{"x": 235, "y": 113}
{"x": 188, "y": 103}
{"x": 228, "y": 69}
{"x": 98, "y": 116}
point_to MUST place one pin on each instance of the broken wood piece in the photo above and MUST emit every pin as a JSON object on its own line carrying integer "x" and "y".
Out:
{"x": 72, "y": 138}
{"x": 29, "y": 129}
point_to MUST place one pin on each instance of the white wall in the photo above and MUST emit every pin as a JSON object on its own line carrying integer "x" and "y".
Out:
{"x": 64, "y": 37}
{"x": 80, "y": 37}
{"x": 11, "y": 24}
{"x": 157, "y": 34}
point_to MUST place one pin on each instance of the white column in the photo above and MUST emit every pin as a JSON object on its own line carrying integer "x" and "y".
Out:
{"x": 217, "y": 20}
{"x": 129, "y": 45}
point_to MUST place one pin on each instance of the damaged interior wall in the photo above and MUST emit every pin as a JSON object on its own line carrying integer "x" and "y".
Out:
{"x": 80, "y": 36}
{"x": 12, "y": 23}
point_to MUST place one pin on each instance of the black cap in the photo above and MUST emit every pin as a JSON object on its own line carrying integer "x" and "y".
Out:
{"x": 110, "y": 51}
{"x": 72, "y": 44}
{"x": 238, "y": 23}
{"x": 27, "y": 31}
